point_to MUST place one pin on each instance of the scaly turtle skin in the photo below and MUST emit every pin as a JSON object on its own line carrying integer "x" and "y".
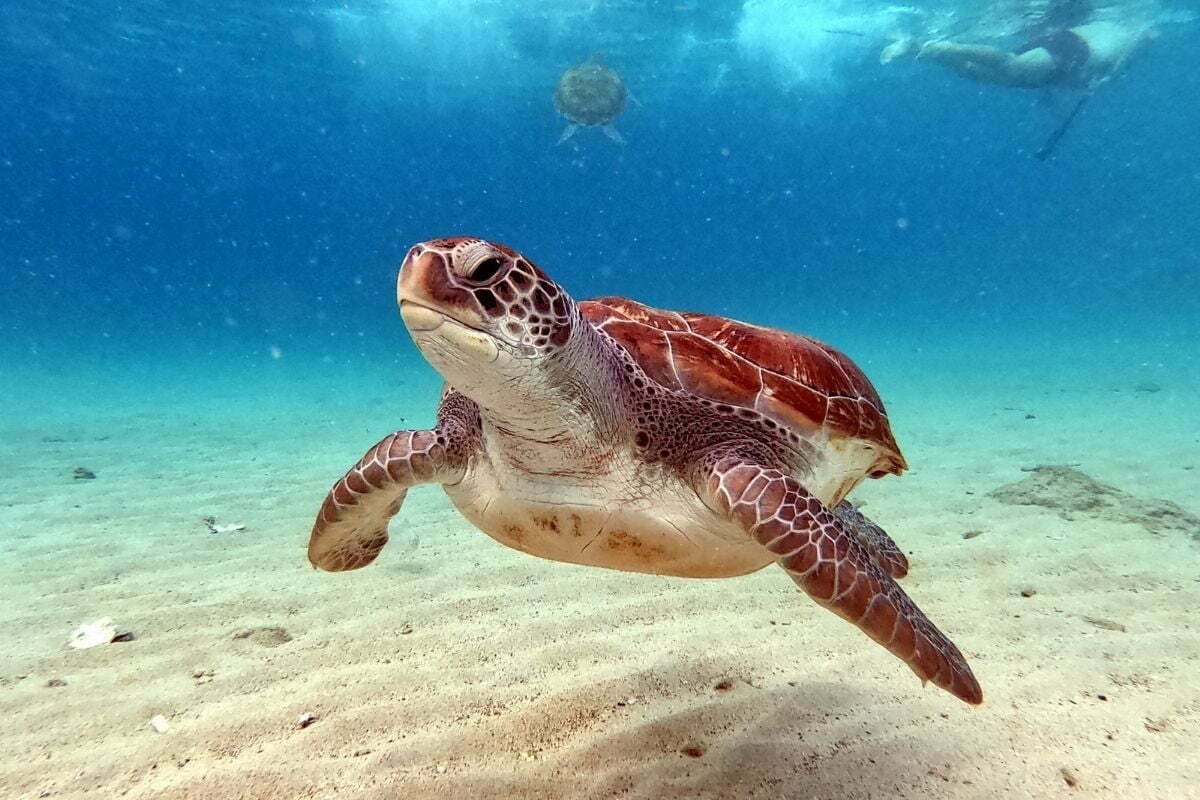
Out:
{"x": 616, "y": 435}
{"x": 590, "y": 94}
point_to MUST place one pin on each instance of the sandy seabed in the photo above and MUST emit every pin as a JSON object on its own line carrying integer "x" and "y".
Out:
{"x": 456, "y": 668}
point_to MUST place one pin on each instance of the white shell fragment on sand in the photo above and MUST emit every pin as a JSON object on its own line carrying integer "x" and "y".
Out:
{"x": 213, "y": 527}
{"x": 90, "y": 634}
{"x": 159, "y": 723}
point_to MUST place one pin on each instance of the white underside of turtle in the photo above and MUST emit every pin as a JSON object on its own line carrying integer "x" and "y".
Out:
{"x": 631, "y": 516}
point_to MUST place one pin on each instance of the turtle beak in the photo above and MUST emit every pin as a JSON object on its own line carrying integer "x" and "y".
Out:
{"x": 486, "y": 288}
{"x": 442, "y": 311}
{"x": 427, "y": 292}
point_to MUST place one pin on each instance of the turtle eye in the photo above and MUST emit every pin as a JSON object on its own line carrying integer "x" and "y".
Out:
{"x": 485, "y": 270}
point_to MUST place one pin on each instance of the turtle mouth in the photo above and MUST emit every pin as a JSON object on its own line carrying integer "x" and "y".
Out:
{"x": 445, "y": 340}
{"x": 421, "y": 318}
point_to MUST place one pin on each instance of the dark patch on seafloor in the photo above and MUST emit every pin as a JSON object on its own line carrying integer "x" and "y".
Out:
{"x": 265, "y": 636}
{"x": 1069, "y": 491}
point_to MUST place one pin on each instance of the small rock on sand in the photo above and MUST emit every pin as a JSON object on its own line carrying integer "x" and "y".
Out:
{"x": 265, "y": 636}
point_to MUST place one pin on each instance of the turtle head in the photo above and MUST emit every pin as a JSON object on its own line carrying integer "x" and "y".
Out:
{"x": 484, "y": 316}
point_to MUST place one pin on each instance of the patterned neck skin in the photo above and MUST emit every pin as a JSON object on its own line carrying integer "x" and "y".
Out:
{"x": 512, "y": 340}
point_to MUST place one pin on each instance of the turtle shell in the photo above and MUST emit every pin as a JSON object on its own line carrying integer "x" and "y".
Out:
{"x": 795, "y": 380}
{"x": 590, "y": 94}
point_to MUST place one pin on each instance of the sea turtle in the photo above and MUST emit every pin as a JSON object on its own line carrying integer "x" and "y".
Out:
{"x": 612, "y": 434}
{"x": 590, "y": 94}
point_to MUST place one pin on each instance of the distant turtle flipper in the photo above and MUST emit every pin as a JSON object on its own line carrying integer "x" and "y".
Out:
{"x": 568, "y": 132}
{"x": 613, "y": 134}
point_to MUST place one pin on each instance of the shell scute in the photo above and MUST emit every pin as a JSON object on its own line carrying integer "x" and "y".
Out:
{"x": 796, "y": 357}
{"x": 649, "y": 349}
{"x": 845, "y": 414}
{"x": 794, "y": 404}
{"x": 711, "y": 371}
{"x": 604, "y": 308}
{"x": 799, "y": 382}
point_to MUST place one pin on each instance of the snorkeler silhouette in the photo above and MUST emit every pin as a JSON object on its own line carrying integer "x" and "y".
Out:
{"x": 1064, "y": 48}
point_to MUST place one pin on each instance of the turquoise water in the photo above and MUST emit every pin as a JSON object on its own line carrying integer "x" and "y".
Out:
{"x": 202, "y": 212}
{"x": 240, "y": 177}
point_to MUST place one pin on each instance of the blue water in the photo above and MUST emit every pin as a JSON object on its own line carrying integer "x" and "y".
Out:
{"x": 203, "y": 207}
{"x": 199, "y": 185}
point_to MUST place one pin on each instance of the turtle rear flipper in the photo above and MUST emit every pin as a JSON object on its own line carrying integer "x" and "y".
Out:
{"x": 612, "y": 133}
{"x": 568, "y": 132}
{"x": 873, "y": 538}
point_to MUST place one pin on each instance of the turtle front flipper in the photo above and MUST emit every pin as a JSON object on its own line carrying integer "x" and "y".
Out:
{"x": 352, "y": 525}
{"x": 833, "y": 566}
